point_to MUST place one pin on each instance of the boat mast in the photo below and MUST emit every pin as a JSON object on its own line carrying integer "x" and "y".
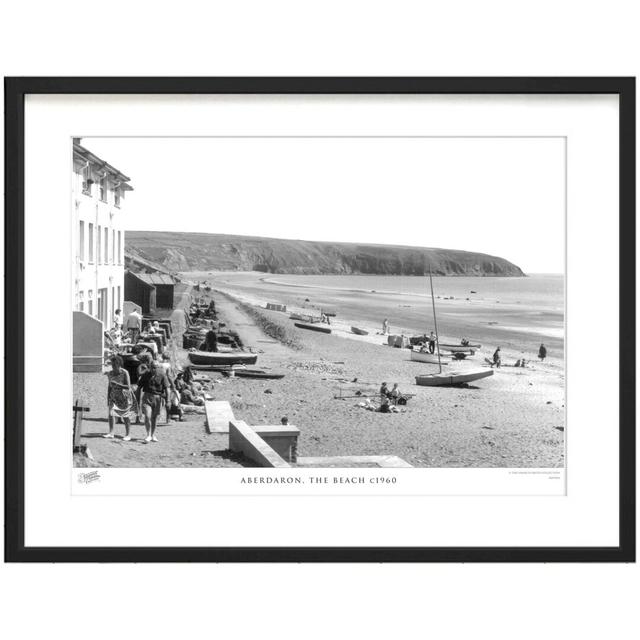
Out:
{"x": 435, "y": 322}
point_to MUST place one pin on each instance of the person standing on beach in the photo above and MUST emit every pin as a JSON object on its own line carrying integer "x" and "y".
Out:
{"x": 385, "y": 327}
{"x": 154, "y": 387}
{"x": 542, "y": 352}
{"x": 134, "y": 325}
{"x": 432, "y": 342}
{"x": 120, "y": 398}
{"x": 211, "y": 341}
{"x": 497, "y": 358}
{"x": 117, "y": 319}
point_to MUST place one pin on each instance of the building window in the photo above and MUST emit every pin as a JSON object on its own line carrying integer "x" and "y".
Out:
{"x": 80, "y": 300}
{"x": 103, "y": 188}
{"x": 90, "y": 302}
{"x": 106, "y": 245}
{"x": 113, "y": 246}
{"x": 119, "y": 247}
{"x": 91, "y": 241}
{"x": 116, "y": 198}
{"x": 81, "y": 240}
{"x": 103, "y": 302}
{"x": 86, "y": 180}
{"x": 99, "y": 244}
{"x": 119, "y": 300}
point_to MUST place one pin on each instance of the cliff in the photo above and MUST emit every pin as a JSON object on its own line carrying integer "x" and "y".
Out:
{"x": 171, "y": 251}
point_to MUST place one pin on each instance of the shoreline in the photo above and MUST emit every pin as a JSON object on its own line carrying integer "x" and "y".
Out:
{"x": 341, "y": 327}
{"x": 511, "y": 324}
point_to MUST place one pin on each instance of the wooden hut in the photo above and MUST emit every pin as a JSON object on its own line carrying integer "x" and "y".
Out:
{"x": 164, "y": 285}
{"x": 140, "y": 291}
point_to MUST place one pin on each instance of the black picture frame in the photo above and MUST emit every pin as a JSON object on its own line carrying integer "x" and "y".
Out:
{"x": 15, "y": 91}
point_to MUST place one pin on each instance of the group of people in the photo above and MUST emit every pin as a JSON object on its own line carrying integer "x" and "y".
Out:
{"x": 129, "y": 330}
{"x": 390, "y": 398}
{"x": 428, "y": 344}
{"x": 496, "y": 361}
{"x": 157, "y": 388}
{"x": 199, "y": 311}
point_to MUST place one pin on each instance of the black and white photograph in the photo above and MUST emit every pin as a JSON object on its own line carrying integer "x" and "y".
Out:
{"x": 372, "y": 318}
{"x": 339, "y": 302}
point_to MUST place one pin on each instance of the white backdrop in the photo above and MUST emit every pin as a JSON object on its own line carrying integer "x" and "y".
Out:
{"x": 292, "y": 38}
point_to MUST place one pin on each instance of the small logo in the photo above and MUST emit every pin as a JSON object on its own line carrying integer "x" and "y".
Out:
{"x": 88, "y": 478}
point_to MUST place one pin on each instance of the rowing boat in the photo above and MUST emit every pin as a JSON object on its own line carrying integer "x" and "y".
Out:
{"x": 359, "y": 332}
{"x": 257, "y": 373}
{"x": 452, "y": 378}
{"x": 217, "y": 358}
{"x": 313, "y": 327}
{"x": 460, "y": 347}
{"x": 421, "y": 356}
{"x": 304, "y": 317}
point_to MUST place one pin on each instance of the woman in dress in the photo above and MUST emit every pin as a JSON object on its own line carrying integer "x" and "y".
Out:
{"x": 120, "y": 398}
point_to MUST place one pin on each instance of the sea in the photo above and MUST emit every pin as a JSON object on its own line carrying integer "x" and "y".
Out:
{"x": 515, "y": 313}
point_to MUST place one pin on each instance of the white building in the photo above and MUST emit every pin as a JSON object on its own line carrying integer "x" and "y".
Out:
{"x": 98, "y": 240}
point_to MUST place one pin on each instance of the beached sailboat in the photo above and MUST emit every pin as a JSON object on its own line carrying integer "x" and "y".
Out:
{"x": 450, "y": 378}
{"x": 359, "y": 332}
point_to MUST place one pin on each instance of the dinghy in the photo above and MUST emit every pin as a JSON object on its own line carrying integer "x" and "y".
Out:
{"x": 313, "y": 327}
{"x": 452, "y": 378}
{"x": 421, "y": 356}
{"x": 217, "y": 358}
{"x": 257, "y": 373}
{"x": 305, "y": 317}
{"x": 359, "y": 332}
{"x": 460, "y": 347}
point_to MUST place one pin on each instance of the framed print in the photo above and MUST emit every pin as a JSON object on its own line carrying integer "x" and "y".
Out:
{"x": 320, "y": 319}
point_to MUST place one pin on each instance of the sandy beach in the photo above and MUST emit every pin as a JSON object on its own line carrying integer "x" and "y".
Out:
{"x": 513, "y": 419}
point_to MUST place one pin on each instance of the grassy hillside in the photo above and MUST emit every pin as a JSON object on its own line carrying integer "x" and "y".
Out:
{"x": 202, "y": 251}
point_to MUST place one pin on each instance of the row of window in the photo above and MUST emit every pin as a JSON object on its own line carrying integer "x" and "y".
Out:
{"x": 103, "y": 187}
{"x": 106, "y": 244}
{"x": 100, "y": 309}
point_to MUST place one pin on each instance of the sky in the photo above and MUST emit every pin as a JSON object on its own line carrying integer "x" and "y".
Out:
{"x": 501, "y": 196}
